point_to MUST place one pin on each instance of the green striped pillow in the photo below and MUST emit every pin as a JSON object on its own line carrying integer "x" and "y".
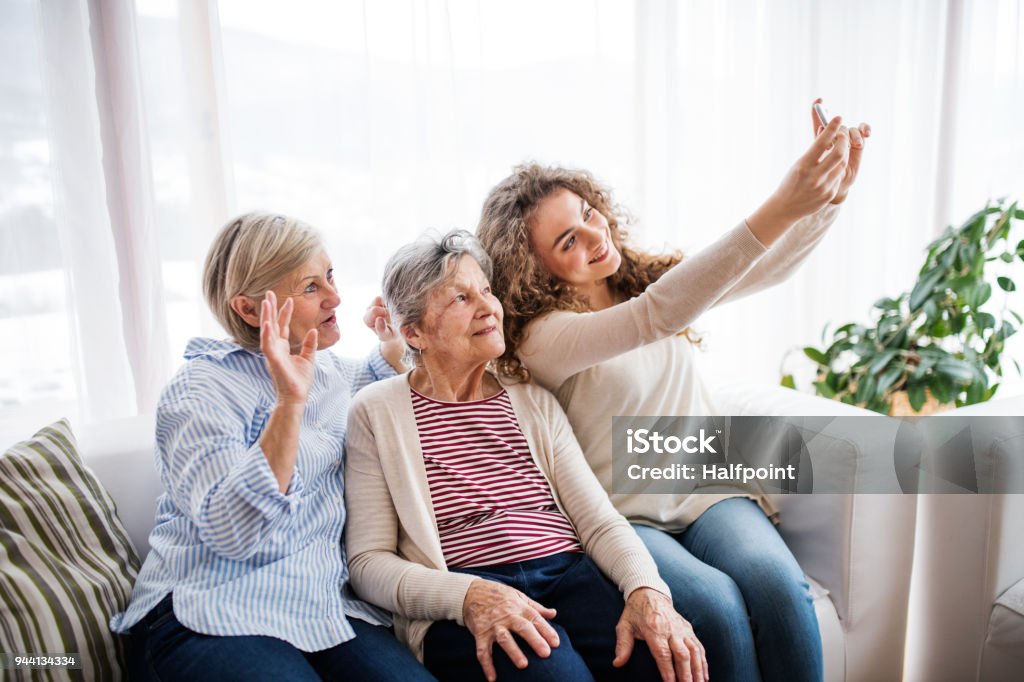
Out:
{"x": 66, "y": 564}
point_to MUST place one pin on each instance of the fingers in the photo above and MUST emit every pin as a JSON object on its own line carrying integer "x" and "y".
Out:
{"x": 483, "y": 655}
{"x": 530, "y": 633}
{"x": 541, "y": 609}
{"x": 508, "y": 644}
{"x": 824, "y": 140}
{"x": 545, "y": 629}
{"x": 268, "y": 330}
{"x": 666, "y": 659}
{"x": 688, "y": 659}
{"x": 815, "y": 122}
{"x": 839, "y": 153}
{"x": 623, "y": 643}
{"x": 309, "y": 345}
{"x": 284, "y": 316}
{"x": 858, "y": 138}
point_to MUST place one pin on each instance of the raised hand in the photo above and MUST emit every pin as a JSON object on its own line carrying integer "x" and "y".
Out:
{"x": 392, "y": 347}
{"x": 494, "y": 612}
{"x": 292, "y": 373}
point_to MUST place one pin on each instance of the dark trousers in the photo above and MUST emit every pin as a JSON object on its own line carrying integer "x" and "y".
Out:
{"x": 164, "y": 649}
{"x": 588, "y": 604}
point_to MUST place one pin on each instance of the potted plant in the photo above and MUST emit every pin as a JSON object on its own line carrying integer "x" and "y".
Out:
{"x": 934, "y": 346}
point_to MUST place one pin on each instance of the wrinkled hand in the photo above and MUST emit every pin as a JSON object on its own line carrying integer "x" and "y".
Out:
{"x": 392, "y": 347}
{"x": 650, "y": 616}
{"x": 494, "y": 613}
{"x": 378, "y": 319}
{"x": 858, "y": 137}
{"x": 815, "y": 179}
{"x": 292, "y": 373}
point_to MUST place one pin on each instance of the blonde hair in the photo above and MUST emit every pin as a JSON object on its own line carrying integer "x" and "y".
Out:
{"x": 521, "y": 282}
{"x": 249, "y": 256}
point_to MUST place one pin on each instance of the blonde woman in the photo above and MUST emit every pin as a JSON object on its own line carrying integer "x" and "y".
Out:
{"x": 246, "y": 578}
{"x": 606, "y": 328}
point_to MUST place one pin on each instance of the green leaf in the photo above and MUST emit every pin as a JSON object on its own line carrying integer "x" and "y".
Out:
{"x": 886, "y": 303}
{"x": 991, "y": 391}
{"x": 1006, "y": 331}
{"x": 1020, "y": 248}
{"x": 788, "y": 381}
{"x": 942, "y": 388}
{"x": 975, "y": 392}
{"x": 879, "y": 363}
{"x": 1007, "y": 257}
{"x": 981, "y": 296}
{"x": 922, "y": 368}
{"x": 889, "y": 378}
{"x": 1017, "y": 365}
{"x": 816, "y": 355}
{"x": 957, "y": 370}
{"x": 1006, "y": 284}
{"x": 940, "y": 329}
{"x": 985, "y": 321}
{"x": 824, "y": 389}
{"x": 865, "y": 389}
{"x": 917, "y": 396}
{"x": 923, "y": 289}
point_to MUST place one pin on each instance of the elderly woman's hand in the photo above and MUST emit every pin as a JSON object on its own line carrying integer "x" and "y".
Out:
{"x": 292, "y": 374}
{"x": 392, "y": 347}
{"x": 650, "y": 616}
{"x": 494, "y": 613}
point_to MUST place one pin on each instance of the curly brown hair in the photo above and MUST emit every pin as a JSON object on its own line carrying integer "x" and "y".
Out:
{"x": 521, "y": 282}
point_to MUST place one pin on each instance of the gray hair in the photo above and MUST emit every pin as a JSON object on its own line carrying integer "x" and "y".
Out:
{"x": 416, "y": 269}
{"x": 249, "y": 256}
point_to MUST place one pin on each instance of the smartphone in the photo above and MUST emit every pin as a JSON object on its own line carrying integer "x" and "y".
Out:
{"x": 822, "y": 113}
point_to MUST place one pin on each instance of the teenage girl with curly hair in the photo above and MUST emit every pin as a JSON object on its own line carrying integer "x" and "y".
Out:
{"x": 606, "y": 327}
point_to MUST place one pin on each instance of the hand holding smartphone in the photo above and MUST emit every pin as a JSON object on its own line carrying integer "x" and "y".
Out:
{"x": 822, "y": 113}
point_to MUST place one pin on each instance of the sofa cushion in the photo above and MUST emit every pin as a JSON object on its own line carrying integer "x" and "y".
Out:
{"x": 1003, "y": 654}
{"x": 66, "y": 564}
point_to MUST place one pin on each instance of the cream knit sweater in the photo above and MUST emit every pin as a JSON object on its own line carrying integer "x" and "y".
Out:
{"x": 391, "y": 537}
{"x": 630, "y": 360}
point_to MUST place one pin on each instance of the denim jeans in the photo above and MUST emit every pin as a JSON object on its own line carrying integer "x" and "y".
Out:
{"x": 164, "y": 649}
{"x": 734, "y": 579}
{"x": 588, "y": 604}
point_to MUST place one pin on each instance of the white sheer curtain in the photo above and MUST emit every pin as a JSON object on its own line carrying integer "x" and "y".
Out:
{"x": 139, "y": 128}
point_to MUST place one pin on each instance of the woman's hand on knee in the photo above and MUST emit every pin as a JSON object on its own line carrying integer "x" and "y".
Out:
{"x": 495, "y": 613}
{"x": 650, "y": 616}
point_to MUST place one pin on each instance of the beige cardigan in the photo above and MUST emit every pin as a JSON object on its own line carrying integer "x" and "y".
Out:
{"x": 391, "y": 536}
{"x": 630, "y": 360}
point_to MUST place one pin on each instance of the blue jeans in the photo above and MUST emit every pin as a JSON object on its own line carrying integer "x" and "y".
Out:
{"x": 589, "y": 605}
{"x": 164, "y": 649}
{"x": 734, "y": 579}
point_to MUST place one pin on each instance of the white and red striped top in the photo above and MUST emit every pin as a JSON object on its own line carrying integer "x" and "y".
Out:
{"x": 491, "y": 501}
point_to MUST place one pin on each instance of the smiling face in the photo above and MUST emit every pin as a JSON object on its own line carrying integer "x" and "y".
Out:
{"x": 461, "y": 326}
{"x": 311, "y": 288}
{"x": 572, "y": 240}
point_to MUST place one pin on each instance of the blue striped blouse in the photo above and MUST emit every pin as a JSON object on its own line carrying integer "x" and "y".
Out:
{"x": 241, "y": 557}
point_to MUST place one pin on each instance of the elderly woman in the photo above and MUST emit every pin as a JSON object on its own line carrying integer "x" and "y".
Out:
{"x": 473, "y": 514}
{"x": 247, "y": 578}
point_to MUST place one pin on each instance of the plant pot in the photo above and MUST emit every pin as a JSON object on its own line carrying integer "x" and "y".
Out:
{"x": 900, "y": 405}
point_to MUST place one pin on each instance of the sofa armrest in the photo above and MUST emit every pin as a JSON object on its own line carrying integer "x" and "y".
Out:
{"x": 121, "y": 453}
{"x": 857, "y": 546}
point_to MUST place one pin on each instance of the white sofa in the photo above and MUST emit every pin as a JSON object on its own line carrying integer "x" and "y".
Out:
{"x": 856, "y": 549}
{"x": 967, "y": 604}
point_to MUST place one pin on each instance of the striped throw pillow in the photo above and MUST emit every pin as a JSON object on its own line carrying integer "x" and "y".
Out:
{"x": 66, "y": 564}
